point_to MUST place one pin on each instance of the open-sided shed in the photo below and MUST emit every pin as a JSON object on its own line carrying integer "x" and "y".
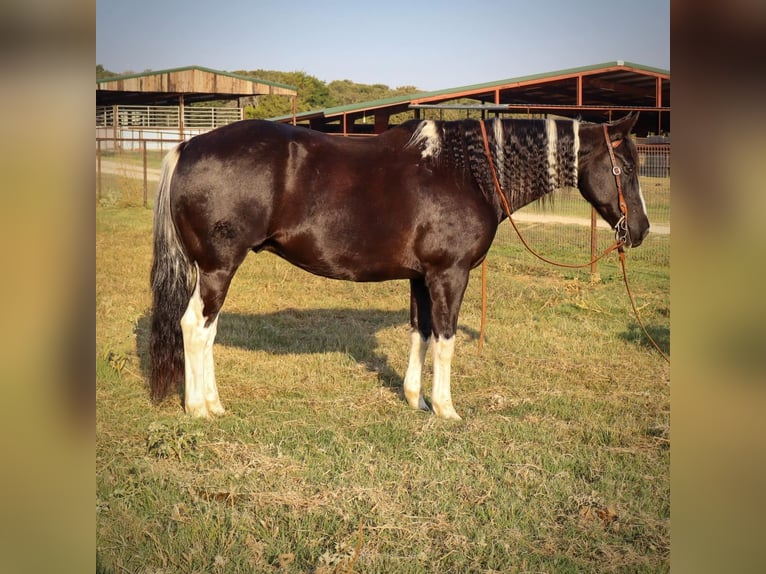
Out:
{"x": 593, "y": 93}
{"x": 183, "y": 85}
{"x": 157, "y": 100}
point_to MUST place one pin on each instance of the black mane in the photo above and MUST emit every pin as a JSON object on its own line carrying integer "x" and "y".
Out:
{"x": 522, "y": 161}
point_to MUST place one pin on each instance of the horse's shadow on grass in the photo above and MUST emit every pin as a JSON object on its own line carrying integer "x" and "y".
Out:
{"x": 307, "y": 331}
{"x": 635, "y": 334}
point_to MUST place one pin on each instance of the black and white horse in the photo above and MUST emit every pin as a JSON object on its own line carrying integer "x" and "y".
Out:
{"x": 417, "y": 202}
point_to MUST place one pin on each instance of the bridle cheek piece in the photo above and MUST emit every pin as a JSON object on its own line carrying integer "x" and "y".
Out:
{"x": 621, "y": 233}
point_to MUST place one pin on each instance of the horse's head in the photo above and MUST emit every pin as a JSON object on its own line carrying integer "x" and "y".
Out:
{"x": 599, "y": 172}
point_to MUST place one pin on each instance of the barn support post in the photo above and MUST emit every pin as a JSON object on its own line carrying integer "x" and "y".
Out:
{"x": 181, "y": 117}
{"x": 116, "y": 127}
{"x": 381, "y": 121}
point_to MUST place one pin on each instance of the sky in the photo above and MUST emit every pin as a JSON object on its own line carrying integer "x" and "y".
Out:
{"x": 429, "y": 44}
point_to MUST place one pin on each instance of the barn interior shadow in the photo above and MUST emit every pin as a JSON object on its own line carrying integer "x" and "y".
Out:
{"x": 301, "y": 331}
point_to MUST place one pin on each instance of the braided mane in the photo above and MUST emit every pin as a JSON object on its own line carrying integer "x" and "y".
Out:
{"x": 532, "y": 157}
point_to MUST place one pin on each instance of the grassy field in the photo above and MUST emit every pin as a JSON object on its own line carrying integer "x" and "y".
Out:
{"x": 561, "y": 463}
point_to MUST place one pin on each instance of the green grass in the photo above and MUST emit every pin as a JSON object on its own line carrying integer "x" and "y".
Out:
{"x": 561, "y": 463}
{"x": 122, "y": 191}
{"x": 136, "y": 158}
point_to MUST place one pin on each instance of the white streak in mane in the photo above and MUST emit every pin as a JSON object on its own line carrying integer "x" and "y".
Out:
{"x": 576, "y": 134}
{"x": 427, "y": 137}
{"x": 499, "y": 151}
{"x": 552, "y": 137}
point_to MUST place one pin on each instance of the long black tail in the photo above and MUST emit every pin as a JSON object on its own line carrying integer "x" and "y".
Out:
{"x": 172, "y": 286}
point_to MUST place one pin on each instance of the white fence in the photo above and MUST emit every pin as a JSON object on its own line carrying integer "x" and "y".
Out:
{"x": 150, "y": 123}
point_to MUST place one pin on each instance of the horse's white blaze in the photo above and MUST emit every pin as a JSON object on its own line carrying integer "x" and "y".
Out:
{"x": 412, "y": 379}
{"x": 427, "y": 136}
{"x": 200, "y": 390}
{"x": 641, "y": 197}
{"x": 552, "y": 137}
{"x": 441, "y": 397}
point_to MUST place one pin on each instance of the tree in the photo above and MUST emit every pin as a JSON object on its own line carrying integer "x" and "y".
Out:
{"x": 102, "y": 72}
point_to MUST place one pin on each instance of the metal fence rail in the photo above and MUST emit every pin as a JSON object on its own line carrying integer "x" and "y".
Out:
{"x": 165, "y": 116}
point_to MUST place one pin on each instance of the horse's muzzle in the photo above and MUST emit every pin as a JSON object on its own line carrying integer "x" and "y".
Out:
{"x": 640, "y": 240}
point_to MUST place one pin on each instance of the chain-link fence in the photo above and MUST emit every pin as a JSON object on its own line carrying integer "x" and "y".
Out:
{"x": 562, "y": 227}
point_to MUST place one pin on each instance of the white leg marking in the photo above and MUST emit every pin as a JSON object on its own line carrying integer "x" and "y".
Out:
{"x": 552, "y": 137}
{"x": 192, "y": 325}
{"x": 211, "y": 389}
{"x": 412, "y": 384}
{"x": 444, "y": 349}
{"x": 200, "y": 391}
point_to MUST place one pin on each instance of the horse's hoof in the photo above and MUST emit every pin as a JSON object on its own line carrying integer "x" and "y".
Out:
{"x": 446, "y": 412}
{"x": 198, "y": 411}
{"x": 216, "y": 408}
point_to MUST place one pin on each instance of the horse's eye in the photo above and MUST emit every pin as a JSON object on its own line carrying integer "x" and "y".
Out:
{"x": 628, "y": 168}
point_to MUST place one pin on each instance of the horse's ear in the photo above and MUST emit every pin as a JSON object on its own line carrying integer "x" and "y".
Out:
{"x": 621, "y": 128}
{"x": 592, "y": 135}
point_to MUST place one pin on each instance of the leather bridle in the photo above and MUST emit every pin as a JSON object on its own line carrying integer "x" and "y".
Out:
{"x": 621, "y": 233}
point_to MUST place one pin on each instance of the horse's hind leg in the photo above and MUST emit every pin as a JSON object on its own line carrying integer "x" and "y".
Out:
{"x": 199, "y": 325}
{"x": 420, "y": 335}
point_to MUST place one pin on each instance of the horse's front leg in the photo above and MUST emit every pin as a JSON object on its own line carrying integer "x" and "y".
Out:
{"x": 447, "y": 290}
{"x": 420, "y": 335}
{"x": 441, "y": 396}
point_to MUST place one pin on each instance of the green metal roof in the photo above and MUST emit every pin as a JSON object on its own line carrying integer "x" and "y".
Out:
{"x": 361, "y": 106}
